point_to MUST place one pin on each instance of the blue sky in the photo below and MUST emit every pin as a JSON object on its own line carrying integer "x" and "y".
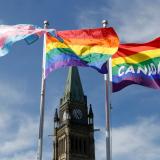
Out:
{"x": 136, "y": 109}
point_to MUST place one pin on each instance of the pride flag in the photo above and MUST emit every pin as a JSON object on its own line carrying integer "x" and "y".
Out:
{"x": 86, "y": 47}
{"x": 9, "y": 34}
{"x": 137, "y": 64}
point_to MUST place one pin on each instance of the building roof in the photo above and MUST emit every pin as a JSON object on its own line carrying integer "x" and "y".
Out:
{"x": 73, "y": 88}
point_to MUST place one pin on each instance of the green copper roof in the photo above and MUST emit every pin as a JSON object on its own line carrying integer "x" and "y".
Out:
{"x": 73, "y": 88}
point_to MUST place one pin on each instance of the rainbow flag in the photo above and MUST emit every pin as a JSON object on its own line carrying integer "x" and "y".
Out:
{"x": 137, "y": 64}
{"x": 9, "y": 34}
{"x": 86, "y": 47}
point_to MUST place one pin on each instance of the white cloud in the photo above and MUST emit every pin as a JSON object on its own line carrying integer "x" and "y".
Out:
{"x": 5, "y": 118}
{"x": 134, "y": 21}
{"x": 19, "y": 136}
{"x": 29, "y": 155}
{"x": 137, "y": 141}
{"x": 19, "y": 128}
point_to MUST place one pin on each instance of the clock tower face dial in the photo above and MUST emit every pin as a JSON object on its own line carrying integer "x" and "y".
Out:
{"x": 77, "y": 113}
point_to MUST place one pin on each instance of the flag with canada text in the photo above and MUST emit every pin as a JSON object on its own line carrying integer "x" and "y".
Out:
{"x": 136, "y": 64}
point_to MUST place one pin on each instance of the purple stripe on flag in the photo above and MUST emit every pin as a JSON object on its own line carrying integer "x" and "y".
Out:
{"x": 150, "y": 81}
{"x": 64, "y": 59}
{"x": 59, "y": 64}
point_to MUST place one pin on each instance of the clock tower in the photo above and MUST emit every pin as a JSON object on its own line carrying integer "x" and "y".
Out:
{"x": 73, "y": 123}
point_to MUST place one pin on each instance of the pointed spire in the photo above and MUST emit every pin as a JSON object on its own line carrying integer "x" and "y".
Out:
{"x": 56, "y": 116}
{"x": 73, "y": 89}
{"x": 90, "y": 115}
{"x": 90, "y": 112}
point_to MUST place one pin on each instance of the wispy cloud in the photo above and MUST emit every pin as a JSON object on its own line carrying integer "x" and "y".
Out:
{"x": 25, "y": 156}
{"x": 134, "y": 21}
{"x": 19, "y": 136}
{"x": 19, "y": 127}
{"x": 137, "y": 141}
{"x": 13, "y": 94}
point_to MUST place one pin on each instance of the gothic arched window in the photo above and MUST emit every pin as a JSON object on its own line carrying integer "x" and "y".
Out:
{"x": 80, "y": 145}
{"x": 76, "y": 144}
{"x": 84, "y": 146}
{"x": 72, "y": 143}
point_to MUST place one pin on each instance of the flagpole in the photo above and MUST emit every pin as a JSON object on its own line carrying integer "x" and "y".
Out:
{"x": 107, "y": 80}
{"x": 42, "y": 99}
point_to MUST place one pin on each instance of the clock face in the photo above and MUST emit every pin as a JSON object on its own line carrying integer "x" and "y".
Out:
{"x": 77, "y": 113}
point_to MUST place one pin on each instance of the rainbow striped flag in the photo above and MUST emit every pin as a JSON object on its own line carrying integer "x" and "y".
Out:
{"x": 86, "y": 47}
{"x": 137, "y": 64}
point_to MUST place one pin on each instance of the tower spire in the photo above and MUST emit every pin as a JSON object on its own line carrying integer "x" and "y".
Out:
{"x": 73, "y": 89}
{"x": 74, "y": 136}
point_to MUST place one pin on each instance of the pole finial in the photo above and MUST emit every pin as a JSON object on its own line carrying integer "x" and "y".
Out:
{"x": 104, "y": 23}
{"x": 46, "y": 23}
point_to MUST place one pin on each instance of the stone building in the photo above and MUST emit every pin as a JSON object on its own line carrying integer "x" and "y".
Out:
{"x": 73, "y": 123}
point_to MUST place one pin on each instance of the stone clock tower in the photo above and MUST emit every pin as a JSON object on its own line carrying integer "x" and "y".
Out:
{"x": 73, "y": 123}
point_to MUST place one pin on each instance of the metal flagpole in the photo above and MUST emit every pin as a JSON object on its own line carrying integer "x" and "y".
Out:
{"x": 107, "y": 80}
{"x": 42, "y": 99}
